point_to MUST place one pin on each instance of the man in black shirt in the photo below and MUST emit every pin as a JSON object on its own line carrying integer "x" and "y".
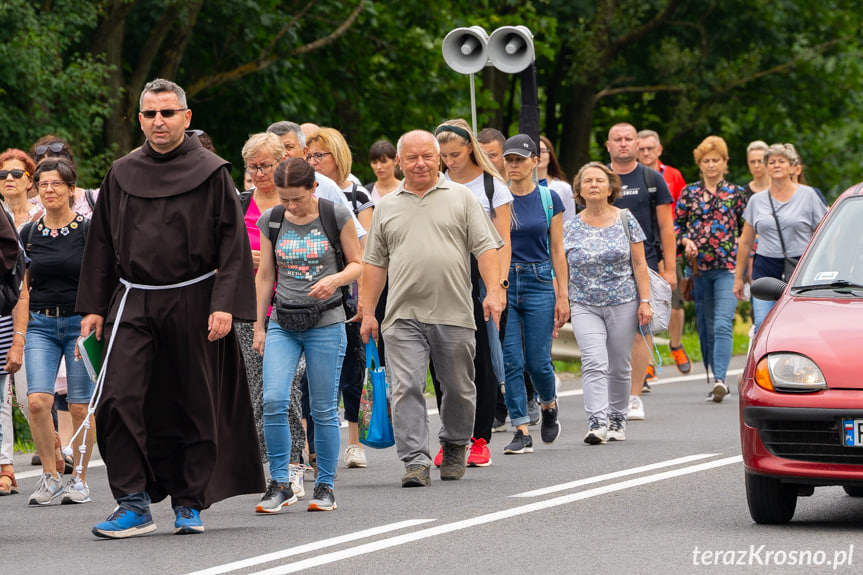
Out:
{"x": 656, "y": 219}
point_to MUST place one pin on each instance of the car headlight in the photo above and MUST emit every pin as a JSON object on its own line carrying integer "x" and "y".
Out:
{"x": 789, "y": 372}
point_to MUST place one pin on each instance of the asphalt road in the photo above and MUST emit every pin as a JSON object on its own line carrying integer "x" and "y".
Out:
{"x": 670, "y": 499}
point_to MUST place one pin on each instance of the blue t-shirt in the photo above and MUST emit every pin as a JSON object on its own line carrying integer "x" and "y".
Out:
{"x": 529, "y": 234}
{"x": 636, "y": 199}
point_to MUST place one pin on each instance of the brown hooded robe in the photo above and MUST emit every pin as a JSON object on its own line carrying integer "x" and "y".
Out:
{"x": 175, "y": 416}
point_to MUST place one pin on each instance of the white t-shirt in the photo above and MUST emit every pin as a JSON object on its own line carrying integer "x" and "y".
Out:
{"x": 500, "y": 197}
{"x": 564, "y": 190}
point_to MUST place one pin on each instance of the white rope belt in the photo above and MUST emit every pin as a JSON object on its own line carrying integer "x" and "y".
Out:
{"x": 100, "y": 381}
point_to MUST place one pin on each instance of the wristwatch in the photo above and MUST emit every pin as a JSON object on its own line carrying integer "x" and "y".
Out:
{"x": 504, "y": 283}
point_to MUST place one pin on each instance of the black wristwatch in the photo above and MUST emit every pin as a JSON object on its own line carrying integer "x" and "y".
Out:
{"x": 504, "y": 283}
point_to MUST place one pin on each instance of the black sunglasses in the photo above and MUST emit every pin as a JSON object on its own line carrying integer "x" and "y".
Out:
{"x": 55, "y": 147}
{"x": 15, "y": 174}
{"x": 150, "y": 114}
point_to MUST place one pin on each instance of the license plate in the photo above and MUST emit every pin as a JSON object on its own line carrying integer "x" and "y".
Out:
{"x": 852, "y": 432}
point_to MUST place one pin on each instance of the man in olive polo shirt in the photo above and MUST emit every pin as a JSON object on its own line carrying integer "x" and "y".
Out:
{"x": 422, "y": 235}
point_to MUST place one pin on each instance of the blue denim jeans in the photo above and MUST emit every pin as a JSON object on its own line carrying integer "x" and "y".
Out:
{"x": 530, "y": 303}
{"x": 48, "y": 340}
{"x": 760, "y": 309}
{"x": 720, "y": 304}
{"x": 325, "y": 351}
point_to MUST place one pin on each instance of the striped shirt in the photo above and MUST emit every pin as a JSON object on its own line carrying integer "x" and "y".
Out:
{"x": 6, "y": 333}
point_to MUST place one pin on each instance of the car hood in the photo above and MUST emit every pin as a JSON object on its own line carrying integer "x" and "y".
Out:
{"x": 828, "y": 331}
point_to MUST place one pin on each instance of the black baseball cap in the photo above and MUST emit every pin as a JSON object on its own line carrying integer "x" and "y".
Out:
{"x": 520, "y": 145}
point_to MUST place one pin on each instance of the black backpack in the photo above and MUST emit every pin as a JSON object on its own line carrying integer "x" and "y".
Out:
{"x": 10, "y": 287}
{"x": 331, "y": 230}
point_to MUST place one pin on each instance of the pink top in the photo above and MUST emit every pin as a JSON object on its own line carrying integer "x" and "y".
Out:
{"x": 253, "y": 214}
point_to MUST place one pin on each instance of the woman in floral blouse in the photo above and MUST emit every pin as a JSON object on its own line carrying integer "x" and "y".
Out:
{"x": 708, "y": 222}
{"x": 609, "y": 294}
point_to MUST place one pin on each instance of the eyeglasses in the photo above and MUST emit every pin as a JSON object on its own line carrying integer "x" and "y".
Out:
{"x": 55, "y": 147}
{"x": 317, "y": 156}
{"x": 15, "y": 174}
{"x": 53, "y": 185}
{"x": 543, "y": 150}
{"x": 150, "y": 114}
{"x": 262, "y": 169}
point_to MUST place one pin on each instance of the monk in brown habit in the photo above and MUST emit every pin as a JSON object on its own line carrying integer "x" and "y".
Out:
{"x": 174, "y": 417}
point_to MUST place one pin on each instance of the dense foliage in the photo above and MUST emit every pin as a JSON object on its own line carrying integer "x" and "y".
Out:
{"x": 778, "y": 70}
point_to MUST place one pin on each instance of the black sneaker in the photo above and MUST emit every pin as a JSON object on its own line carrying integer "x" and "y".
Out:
{"x": 278, "y": 495}
{"x": 520, "y": 443}
{"x": 550, "y": 428}
{"x": 416, "y": 475}
{"x": 323, "y": 499}
{"x": 452, "y": 466}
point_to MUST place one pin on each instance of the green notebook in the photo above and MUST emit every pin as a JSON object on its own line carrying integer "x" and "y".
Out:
{"x": 91, "y": 353}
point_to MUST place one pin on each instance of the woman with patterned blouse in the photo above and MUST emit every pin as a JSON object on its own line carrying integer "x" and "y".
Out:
{"x": 609, "y": 295}
{"x": 708, "y": 222}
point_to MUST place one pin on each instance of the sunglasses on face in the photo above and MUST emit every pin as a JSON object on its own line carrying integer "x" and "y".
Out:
{"x": 15, "y": 174}
{"x": 55, "y": 147}
{"x": 150, "y": 114}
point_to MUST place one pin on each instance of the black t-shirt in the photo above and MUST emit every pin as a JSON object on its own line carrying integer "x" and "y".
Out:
{"x": 636, "y": 199}
{"x": 55, "y": 263}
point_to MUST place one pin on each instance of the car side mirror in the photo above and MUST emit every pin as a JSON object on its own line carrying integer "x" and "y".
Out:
{"x": 768, "y": 289}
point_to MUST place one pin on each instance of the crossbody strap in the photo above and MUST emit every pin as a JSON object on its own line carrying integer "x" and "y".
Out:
{"x": 778, "y": 229}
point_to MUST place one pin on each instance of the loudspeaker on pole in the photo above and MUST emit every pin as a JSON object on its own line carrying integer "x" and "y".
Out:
{"x": 510, "y": 49}
{"x": 464, "y": 49}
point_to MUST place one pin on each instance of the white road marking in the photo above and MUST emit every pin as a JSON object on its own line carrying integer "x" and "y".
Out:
{"x": 487, "y": 518}
{"x": 38, "y": 472}
{"x": 614, "y": 475}
{"x": 275, "y": 556}
{"x": 663, "y": 381}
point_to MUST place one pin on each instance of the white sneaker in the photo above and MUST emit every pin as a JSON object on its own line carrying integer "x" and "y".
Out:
{"x": 597, "y": 434}
{"x": 616, "y": 427}
{"x": 635, "y": 411}
{"x": 720, "y": 390}
{"x": 355, "y": 456}
{"x": 296, "y": 472}
{"x": 47, "y": 490}
{"x": 75, "y": 491}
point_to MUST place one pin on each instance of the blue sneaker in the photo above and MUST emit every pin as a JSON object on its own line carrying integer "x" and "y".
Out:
{"x": 188, "y": 521}
{"x": 124, "y": 523}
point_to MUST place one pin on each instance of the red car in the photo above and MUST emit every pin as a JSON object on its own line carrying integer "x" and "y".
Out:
{"x": 801, "y": 394}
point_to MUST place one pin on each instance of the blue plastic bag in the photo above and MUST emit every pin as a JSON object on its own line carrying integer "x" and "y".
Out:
{"x": 375, "y": 425}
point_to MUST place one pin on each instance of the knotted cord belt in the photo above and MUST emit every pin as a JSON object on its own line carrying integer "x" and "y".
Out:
{"x": 100, "y": 381}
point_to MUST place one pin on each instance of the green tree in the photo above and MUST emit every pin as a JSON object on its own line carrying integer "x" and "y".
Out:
{"x": 742, "y": 69}
{"x": 47, "y": 86}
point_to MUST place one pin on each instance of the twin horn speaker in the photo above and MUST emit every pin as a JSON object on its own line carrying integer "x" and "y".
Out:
{"x": 469, "y": 50}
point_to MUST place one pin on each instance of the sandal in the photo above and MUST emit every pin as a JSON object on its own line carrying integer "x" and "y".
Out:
{"x": 10, "y": 487}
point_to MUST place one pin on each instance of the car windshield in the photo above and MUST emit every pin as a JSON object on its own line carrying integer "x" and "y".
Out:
{"x": 834, "y": 262}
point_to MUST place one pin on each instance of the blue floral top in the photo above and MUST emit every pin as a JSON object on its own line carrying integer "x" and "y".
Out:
{"x": 600, "y": 264}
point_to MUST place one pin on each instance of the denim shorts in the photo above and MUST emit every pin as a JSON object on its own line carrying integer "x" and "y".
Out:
{"x": 48, "y": 340}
